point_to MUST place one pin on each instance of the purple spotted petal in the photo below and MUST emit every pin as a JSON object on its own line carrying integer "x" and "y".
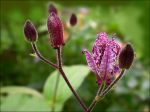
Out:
{"x": 107, "y": 63}
{"x": 115, "y": 69}
{"x": 97, "y": 55}
{"x": 102, "y": 38}
{"x": 115, "y": 46}
{"x": 103, "y": 60}
{"x": 90, "y": 60}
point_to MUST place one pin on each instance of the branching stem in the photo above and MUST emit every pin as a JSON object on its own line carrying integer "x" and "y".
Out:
{"x": 59, "y": 60}
{"x": 101, "y": 94}
{"x": 41, "y": 57}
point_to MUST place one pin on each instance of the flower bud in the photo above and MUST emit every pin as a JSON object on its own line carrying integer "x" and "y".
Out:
{"x": 73, "y": 20}
{"x": 30, "y": 31}
{"x": 55, "y": 30}
{"x": 52, "y": 8}
{"x": 126, "y": 57}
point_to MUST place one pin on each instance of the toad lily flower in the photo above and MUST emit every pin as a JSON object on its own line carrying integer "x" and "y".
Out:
{"x": 103, "y": 60}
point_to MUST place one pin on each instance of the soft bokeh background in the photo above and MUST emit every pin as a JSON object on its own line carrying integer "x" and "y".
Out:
{"x": 128, "y": 19}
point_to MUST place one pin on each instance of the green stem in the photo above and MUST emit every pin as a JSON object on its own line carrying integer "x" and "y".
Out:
{"x": 101, "y": 94}
{"x": 55, "y": 92}
{"x": 97, "y": 97}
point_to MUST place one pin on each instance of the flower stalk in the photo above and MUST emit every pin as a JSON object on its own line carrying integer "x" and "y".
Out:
{"x": 38, "y": 54}
{"x": 59, "y": 60}
{"x": 113, "y": 83}
{"x": 97, "y": 98}
{"x": 60, "y": 69}
{"x": 100, "y": 94}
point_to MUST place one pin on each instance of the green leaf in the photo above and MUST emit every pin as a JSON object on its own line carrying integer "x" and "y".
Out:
{"x": 21, "y": 90}
{"x": 22, "y": 99}
{"x": 76, "y": 75}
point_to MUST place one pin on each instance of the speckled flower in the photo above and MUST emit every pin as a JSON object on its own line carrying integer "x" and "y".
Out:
{"x": 73, "y": 20}
{"x": 52, "y": 8}
{"x": 55, "y": 29}
{"x": 103, "y": 60}
{"x": 30, "y": 32}
{"x": 126, "y": 56}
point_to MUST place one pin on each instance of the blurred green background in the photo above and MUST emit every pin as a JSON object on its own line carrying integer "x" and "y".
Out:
{"x": 128, "y": 19}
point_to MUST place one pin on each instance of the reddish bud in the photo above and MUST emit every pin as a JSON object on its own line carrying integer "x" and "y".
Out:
{"x": 52, "y": 8}
{"x": 30, "y": 31}
{"x": 73, "y": 20}
{"x": 126, "y": 57}
{"x": 55, "y": 30}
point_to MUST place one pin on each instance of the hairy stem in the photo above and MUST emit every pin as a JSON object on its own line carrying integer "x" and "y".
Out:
{"x": 101, "y": 94}
{"x": 67, "y": 81}
{"x": 41, "y": 57}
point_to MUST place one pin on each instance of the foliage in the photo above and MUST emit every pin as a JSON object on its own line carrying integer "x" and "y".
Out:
{"x": 63, "y": 92}
{"x": 30, "y": 100}
{"x": 22, "y": 99}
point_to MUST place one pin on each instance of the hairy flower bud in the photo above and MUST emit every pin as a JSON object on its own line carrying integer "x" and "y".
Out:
{"x": 30, "y": 31}
{"x": 55, "y": 30}
{"x": 126, "y": 57}
{"x": 52, "y": 8}
{"x": 73, "y": 20}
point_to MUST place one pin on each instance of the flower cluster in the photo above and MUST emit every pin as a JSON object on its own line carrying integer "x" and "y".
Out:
{"x": 103, "y": 60}
{"x": 54, "y": 26}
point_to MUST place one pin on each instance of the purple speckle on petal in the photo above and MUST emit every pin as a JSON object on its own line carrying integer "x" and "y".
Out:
{"x": 103, "y": 58}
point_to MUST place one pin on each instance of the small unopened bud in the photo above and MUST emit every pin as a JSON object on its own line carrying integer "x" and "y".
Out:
{"x": 52, "y": 8}
{"x": 126, "y": 57}
{"x": 30, "y": 31}
{"x": 55, "y": 30}
{"x": 73, "y": 20}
